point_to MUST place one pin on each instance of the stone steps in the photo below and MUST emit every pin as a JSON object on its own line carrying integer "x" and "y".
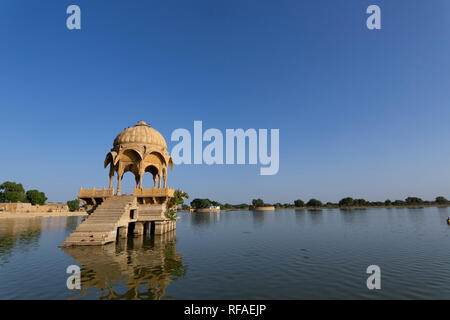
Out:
{"x": 101, "y": 226}
{"x": 102, "y": 219}
{"x": 109, "y": 215}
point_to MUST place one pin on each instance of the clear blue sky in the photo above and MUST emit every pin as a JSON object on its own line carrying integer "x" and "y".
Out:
{"x": 361, "y": 113}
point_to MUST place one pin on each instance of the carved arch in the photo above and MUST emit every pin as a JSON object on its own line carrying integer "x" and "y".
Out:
{"x": 110, "y": 157}
{"x": 129, "y": 155}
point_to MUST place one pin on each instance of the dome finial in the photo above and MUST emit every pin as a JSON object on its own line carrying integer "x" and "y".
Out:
{"x": 143, "y": 123}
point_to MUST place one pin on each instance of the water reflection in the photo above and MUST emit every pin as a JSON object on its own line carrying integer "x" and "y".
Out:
{"x": 72, "y": 223}
{"x": 258, "y": 218}
{"x": 443, "y": 209}
{"x": 203, "y": 219}
{"x": 315, "y": 216}
{"x": 300, "y": 217}
{"x": 444, "y": 213}
{"x": 352, "y": 216}
{"x": 289, "y": 254}
{"x": 133, "y": 268}
{"x": 18, "y": 235}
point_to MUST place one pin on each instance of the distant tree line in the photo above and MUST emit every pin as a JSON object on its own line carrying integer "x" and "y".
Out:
{"x": 260, "y": 203}
{"x": 14, "y": 192}
{"x": 315, "y": 203}
{"x": 350, "y": 202}
{"x": 203, "y": 203}
{"x": 199, "y": 203}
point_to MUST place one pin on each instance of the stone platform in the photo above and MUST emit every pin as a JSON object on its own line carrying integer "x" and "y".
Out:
{"x": 118, "y": 216}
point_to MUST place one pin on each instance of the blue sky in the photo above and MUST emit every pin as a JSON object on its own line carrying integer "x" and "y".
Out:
{"x": 361, "y": 113}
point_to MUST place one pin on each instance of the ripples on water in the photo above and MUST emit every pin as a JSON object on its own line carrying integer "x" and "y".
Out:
{"x": 286, "y": 254}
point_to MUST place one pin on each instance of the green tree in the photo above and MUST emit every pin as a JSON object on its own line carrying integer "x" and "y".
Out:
{"x": 171, "y": 214}
{"x": 179, "y": 196}
{"x": 387, "y": 202}
{"x": 200, "y": 203}
{"x": 36, "y": 197}
{"x": 216, "y": 204}
{"x": 346, "y": 202}
{"x": 73, "y": 205}
{"x": 299, "y": 203}
{"x": 399, "y": 203}
{"x": 258, "y": 202}
{"x": 441, "y": 200}
{"x": 314, "y": 203}
{"x": 413, "y": 200}
{"x": 361, "y": 202}
{"x": 12, "y": 192}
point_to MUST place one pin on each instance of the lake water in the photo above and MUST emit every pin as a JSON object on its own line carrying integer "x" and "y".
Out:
{"x": 285, "y": 254}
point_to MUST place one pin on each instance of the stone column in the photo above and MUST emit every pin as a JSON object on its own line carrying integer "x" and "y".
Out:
{"x": 119, "y": 178}
{"x": 121, "y": 244}
{"x": 111, "y": 175}
{"x": 159, "y": 227}
{"x": 119, "y": 182}
{"x": 123, "y": 232}
{"x": 138, "y": 229}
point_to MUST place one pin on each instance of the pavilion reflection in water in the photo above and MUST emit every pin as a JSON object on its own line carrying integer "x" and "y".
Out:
{"x": 133, "y": 268}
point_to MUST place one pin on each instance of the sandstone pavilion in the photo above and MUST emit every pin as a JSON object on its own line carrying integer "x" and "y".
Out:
{"x": 139, "y": 149}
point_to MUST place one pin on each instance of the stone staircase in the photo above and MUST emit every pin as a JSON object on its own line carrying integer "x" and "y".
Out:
{"x": 101, "y": 226}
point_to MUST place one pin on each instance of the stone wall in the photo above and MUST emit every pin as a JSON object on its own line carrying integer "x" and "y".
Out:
{"x": 151, "y": 212}
{"x": 27, "y": 207}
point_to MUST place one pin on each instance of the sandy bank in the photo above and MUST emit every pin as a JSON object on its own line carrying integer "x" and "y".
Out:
{"x": 266, "y": 208}
{"x": 206, "y": 210}
{"x": 6, "y": 215}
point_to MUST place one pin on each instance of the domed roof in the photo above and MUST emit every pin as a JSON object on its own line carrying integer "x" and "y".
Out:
{"x": 141, "y": 133}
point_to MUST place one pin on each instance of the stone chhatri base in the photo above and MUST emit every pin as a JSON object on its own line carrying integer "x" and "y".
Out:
{"x": 119, "y": 217}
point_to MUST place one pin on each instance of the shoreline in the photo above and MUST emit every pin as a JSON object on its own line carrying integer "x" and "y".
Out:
{"x": 206, "y": 210}
{"x": 14, "y": 215}
{"x": 265, "y": 208}
{"x": 338, "y": 207}
{"x": 411, "y": 206}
